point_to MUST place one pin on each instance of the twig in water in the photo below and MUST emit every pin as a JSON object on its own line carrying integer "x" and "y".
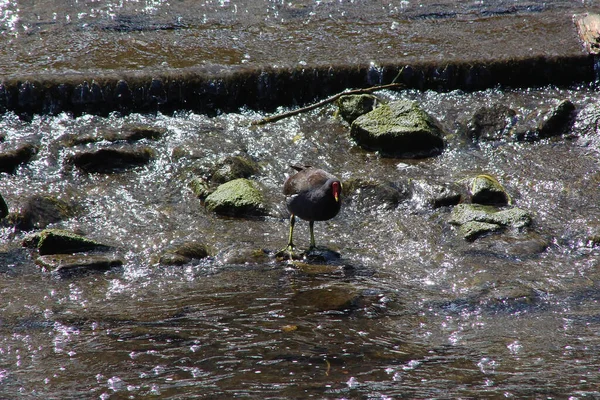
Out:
{"x": 328, "y": 100}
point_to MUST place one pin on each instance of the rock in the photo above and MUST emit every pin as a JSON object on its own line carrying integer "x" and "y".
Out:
{"x": 328, "y": 298}
{"x": 110, "y": 159}
{"x": 372, "y": 194}
{"x": 200, "y": 187}
{"x": 587, "y": 121}
{"x": 242, "y": 254}
{"x": 234, "y": 167}
{"x": 72, "y": 264}
{"x": 436, "y": 195}
{"x": 10, "y": 159}
{"x": 129, "y": 133}
{"x": 57, "y": 241}
{"x": 353, "y": 106}
{"x": 3, "y": 208}
{"x": 485, "y": 189}
{"x": 400, "y": 129}
{"x": 39, "y": 211}
{"x": 546, "y": 122}
{"x": 239, "y": 197}
{"x": 184, "y": 253}
{"x": 491, "y": 123}
{"x": 477, "y": 220}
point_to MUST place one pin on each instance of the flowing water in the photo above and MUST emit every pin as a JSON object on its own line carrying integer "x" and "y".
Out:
{"x": 409, "y": 310}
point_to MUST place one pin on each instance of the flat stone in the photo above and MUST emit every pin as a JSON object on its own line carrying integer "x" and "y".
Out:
{"x": 110, "y": 159}
{"x": 72, "y": 264}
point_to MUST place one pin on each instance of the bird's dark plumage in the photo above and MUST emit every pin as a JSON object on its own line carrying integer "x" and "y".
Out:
{"x": 312, "y": 194}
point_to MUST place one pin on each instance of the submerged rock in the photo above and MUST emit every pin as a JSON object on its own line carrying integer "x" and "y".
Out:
{"x": 10, "y": 159}
{"x": 72, "y": 264}
{"x": 110, "y": 159}
{"x": 401, "y": 129}
{"x": 184, "y": 253}
{"x": 129, "y": 133}
{"x": 58, "y": 241}
{"x": 353, "y": 106}
{"x": 329, "y": 298}
{"x": 436, "y": 195}
{"x": 239, "y": 197}
{"x": 477, "y": 220}
{"x": 39, "y": 211}
{"x": 200, "y": 187}
{"x": 491, "y": 123}
{"x": 485, "y": 189}
{"x": 234, "y": 167}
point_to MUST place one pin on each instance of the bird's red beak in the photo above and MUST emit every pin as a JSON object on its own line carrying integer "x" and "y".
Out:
{"x": 337, "y": 190}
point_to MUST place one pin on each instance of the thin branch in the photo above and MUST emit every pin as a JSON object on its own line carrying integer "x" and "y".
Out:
{"x": 328, "y": 100}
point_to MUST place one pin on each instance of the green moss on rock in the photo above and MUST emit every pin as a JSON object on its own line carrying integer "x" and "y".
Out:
{"x": 239, "y": 197}
{"x": 58, "y": 241}
{"x": 401, "y": 129}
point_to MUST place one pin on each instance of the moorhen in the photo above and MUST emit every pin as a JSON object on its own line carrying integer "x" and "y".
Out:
{"x": 312, "y": 195}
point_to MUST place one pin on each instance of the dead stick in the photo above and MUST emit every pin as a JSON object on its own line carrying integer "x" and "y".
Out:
{"x": 328, "y": 100}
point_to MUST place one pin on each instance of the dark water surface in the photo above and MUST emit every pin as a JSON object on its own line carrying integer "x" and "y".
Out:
{"x": 410, "y": 309}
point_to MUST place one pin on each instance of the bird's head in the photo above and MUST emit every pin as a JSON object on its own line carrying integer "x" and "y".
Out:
{"x": 336, "y": 188}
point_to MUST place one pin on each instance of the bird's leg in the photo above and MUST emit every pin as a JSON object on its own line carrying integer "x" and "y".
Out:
{"x": 311, "y": 225}
{"x": 290, "y": 245}
{"x": 289, "y": 249}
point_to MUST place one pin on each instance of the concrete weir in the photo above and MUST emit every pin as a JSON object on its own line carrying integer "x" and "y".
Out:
{"x": 293, "y": 60}
{"x": 265, "y": 89}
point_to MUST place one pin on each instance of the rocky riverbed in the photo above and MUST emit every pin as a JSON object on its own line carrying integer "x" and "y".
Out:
{"x": 473, "y": 267}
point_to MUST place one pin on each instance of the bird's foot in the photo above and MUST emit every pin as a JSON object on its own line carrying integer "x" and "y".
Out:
{"x": 290, "y": 253}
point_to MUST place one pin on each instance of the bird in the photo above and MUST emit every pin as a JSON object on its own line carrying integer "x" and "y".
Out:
{"x": 312, "y": 194}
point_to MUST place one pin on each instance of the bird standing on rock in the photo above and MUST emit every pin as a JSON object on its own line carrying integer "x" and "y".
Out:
{"x": 312, "y": 195}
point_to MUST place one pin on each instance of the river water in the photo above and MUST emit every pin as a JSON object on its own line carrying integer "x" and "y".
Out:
{"x": 409, "y": 310}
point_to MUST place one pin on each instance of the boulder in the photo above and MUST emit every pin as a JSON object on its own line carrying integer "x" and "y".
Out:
{"x": 110, "y": 159}
{"x": 74, "y": 264}
{"x": 58, "y": 241}
{"x": 39, "y": 211}
{"x": 10, "y": 159}
{"x": 353, "y": 106}
{"x": 239, "y": 197}
{"x": 485, "y": 189}
{"x": 372, "y": 194}
{"x": 400, "y": 129}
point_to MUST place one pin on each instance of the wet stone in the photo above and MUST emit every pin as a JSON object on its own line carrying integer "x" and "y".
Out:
{"x": 328, "y": 298}
{"x": 57, "y": 241}
{"x": 372, "y": 194}
{"x": 200, "y": 187}
{"x": 546, "y": 122}
{"x": 491, "y": 123}
{"x": 3, "y": 208}
{"x": 39, "y": 211}
{"x": 12, "y": 158}
{"x": 110, "y": 159}
{"x": 399, "y": 129}
{"x": 477, "y": 220}
{"x": 351, "y": 107}
{"x": 485, "y": 189}
{"x": 234, "y": 167}
{"x": 436, "y": 195}
{"x": 184, "y": 253}
{"x": 240, "y": 197}
{"x": 75, "y": 264}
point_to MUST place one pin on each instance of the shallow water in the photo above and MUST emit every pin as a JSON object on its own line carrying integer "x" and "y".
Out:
{"x": 427, "y": 313}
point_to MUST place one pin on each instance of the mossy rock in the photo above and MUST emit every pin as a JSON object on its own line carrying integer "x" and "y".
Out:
{"x": 513, "y": 217}
{"x": 40, "y": 210}
{"x": 11, "y": 159}
{"x": 75, "y": 264}
{"x": 110, "y": 159}
{"x": 234, "y": 167}
{"x": 353, "y": 106}
{"x": 399, "y": 129}
{"x": 239, "y": 197}
{"x": 200, "y": 187}
{"x": 474, "y": 229}
{"x": 58, "y": 241}
{"x": 485, "y": 189}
